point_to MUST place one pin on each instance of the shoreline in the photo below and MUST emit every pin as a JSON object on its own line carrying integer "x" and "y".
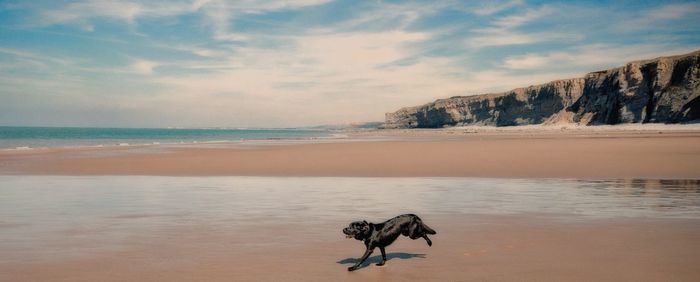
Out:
{"x": 551, "y": 152}
{"x": 347, "y": 135}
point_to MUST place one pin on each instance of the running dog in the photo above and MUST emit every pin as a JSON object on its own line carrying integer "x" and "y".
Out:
{"x": 383, "y": 234}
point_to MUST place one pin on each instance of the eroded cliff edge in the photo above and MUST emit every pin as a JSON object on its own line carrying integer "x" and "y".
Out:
{"x": 665, "y": 90}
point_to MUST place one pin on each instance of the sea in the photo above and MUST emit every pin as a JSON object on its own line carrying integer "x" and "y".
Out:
{"x": 14, "y": 137}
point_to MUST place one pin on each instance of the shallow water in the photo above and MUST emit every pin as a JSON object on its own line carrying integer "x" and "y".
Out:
{"x": 12, "y": 137}
{"x": 38, "y": 213}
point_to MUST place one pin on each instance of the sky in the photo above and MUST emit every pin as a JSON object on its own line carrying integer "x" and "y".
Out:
{"x": 209, "y": 63}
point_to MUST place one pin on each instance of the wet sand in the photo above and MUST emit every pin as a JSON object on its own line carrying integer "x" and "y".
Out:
{"x": 587, "y": 154}
{"x": 473, "y": 248}
{"x": 114, "y": 228}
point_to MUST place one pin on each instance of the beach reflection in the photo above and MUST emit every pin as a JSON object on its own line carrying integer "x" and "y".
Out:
{"x": 38, "y": 213}
{"x": 33, "y": 199}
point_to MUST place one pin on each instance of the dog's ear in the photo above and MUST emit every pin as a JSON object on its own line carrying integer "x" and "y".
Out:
{"x": 365, "y": 226}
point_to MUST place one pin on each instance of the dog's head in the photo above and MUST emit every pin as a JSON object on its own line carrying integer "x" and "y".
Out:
{"x": 358, "y": 230}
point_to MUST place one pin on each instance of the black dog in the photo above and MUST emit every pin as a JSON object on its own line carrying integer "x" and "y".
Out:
{"x": 383, "y": 234}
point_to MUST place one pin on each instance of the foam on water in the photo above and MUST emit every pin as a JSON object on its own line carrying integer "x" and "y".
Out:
{"x": 23, "y": 138}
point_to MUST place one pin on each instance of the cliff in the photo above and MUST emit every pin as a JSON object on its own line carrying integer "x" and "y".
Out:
{"x": 665, "y": 89}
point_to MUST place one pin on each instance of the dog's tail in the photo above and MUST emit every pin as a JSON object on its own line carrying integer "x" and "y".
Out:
{"x": 427, "y": 229}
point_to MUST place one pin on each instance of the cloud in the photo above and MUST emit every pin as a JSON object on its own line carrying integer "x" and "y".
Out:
{"x": 588, "y": 57}
{"x": 82, "y": 12}
{"x": 504, "y": 31}
{"x": 218, "y": 14}
{"x": 331, "y": 75}
{"x": 669, "y": 16}
{"x": 674, "y": 11}
{"x": 505, "y": 38}
{"x": 341, "y": 70}
{"x": 529, "y": 61}
{"x": 496, "y": 7}
{"x": 378, "y": 16}
{"x": 34, "y": 57}
{"x": 79, "y": 12}
{"x": 513, "y": 21}
{"x": 143, "y": 66}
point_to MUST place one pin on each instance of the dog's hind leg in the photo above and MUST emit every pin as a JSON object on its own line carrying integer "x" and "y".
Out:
{"x": 383, "y": 256}
{"x": 362, "y": 259}
{"x": 430, "y": 243}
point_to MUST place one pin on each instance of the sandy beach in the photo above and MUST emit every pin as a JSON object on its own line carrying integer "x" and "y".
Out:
{"x": 582, "y": 153}
{"x": 281, "y": 232}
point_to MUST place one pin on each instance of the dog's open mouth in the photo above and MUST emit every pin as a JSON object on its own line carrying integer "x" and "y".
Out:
{"x": 349, "y": 236}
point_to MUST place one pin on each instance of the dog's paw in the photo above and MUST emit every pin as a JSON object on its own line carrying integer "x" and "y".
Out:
{"x": 352, "y": 268}
{"x": 381, "y": 263}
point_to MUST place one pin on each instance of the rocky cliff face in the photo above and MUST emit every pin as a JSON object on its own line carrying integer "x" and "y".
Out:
{"x": 665, "y": 89}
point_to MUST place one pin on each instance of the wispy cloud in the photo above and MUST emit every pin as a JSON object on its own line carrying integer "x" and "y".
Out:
{"x": 82, "y": 13}
{"x": 516, "y": 20}
{"x": 504, "y": 31}
{"x": 31, "y": 56}
{"x": 666, "y": 16}
{"x": 218, "y": 14}
{"x": 588, "y": 57}
{"x": 493, "y": 7}
{"x": 505, "y": 38}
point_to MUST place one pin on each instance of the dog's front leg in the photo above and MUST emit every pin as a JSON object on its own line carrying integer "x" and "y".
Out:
{"x": 383, "y": 256}
{"x": 362, "y": 259}
{"x": 430, "y": 243}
